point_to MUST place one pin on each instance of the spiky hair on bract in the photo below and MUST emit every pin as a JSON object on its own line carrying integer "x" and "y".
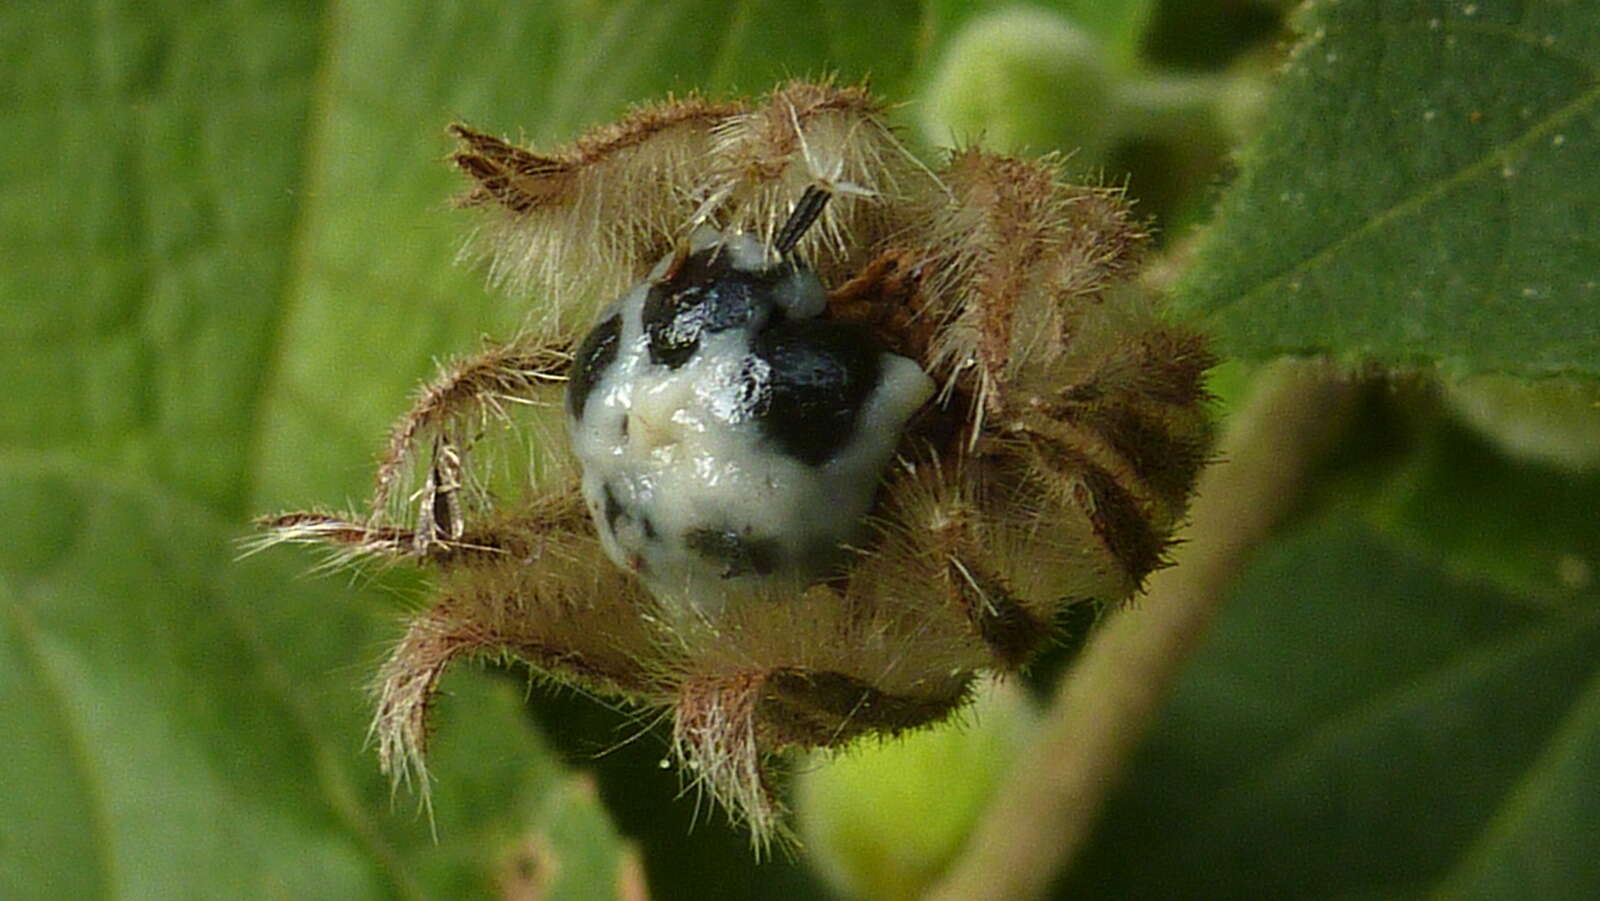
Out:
{"x": 1050, "y": 468}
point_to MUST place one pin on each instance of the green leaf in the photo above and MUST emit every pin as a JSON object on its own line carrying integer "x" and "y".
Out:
{"x": 1361, "y": 724}
{"x": 179, "y": 725}
{"x": 1528, "y": 526}
{"x": 1424, "y": 189}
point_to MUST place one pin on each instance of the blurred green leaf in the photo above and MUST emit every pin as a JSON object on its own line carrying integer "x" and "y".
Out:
{"x": 1552, "y": 421}
{"x": 181, "y": 726}
{"x": 1528, "y": 526}
{"x": 1360, "y": 724}
{"x": 1424, "y": 188}
{"x": 571, "y": 852}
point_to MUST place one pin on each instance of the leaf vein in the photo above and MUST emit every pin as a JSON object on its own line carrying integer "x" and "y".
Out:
{"x": 1582, "y": 718}
{"x": 1328, "y": 731}
{"x": 77, "y": 743}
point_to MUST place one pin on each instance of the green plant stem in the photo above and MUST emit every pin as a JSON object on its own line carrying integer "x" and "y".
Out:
{"x": 1170, "y": 105}
{"x": 1042, "y": 814}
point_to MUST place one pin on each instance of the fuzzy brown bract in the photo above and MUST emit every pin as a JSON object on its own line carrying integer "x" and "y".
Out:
{"x": 1049, "y": 470}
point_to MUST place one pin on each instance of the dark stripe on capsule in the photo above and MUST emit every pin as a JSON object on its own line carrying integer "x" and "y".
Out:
{"x": 998, "y": 615}
{"x": 1113, "y": 513}
{"x": 1164, "y": 458}
{"x": 738, "y": 555}
{"x": 597, "y": 352}
{"x": 821, "y": 707}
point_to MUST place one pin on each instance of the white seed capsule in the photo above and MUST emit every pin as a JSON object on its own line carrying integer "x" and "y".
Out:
{"x": 730, "y": 438}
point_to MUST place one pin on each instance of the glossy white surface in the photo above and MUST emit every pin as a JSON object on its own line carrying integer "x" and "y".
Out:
{"x": 679, "y": 452}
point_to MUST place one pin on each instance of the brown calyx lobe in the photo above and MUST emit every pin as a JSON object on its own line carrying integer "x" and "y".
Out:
{"x": 522, "y": 181}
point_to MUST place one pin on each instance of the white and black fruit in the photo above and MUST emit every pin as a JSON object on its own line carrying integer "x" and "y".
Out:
{"x": 731, "y": 439}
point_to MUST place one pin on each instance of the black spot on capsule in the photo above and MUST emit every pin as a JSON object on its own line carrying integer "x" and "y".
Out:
{"x": 809, "y": 392}
{"x": 597, "y": 352}
{"x": 737, "y": 554}
{"x": 707, "y": 294}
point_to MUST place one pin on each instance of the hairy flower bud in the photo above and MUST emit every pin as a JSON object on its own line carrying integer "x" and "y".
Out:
{"x": 845, "y": 432}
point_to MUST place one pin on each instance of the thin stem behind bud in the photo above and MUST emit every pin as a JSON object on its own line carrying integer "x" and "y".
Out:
{"x": 1042, "y": 815}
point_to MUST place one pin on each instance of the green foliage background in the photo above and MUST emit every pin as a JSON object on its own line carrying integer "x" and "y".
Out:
{"x": 225, "y": 261}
